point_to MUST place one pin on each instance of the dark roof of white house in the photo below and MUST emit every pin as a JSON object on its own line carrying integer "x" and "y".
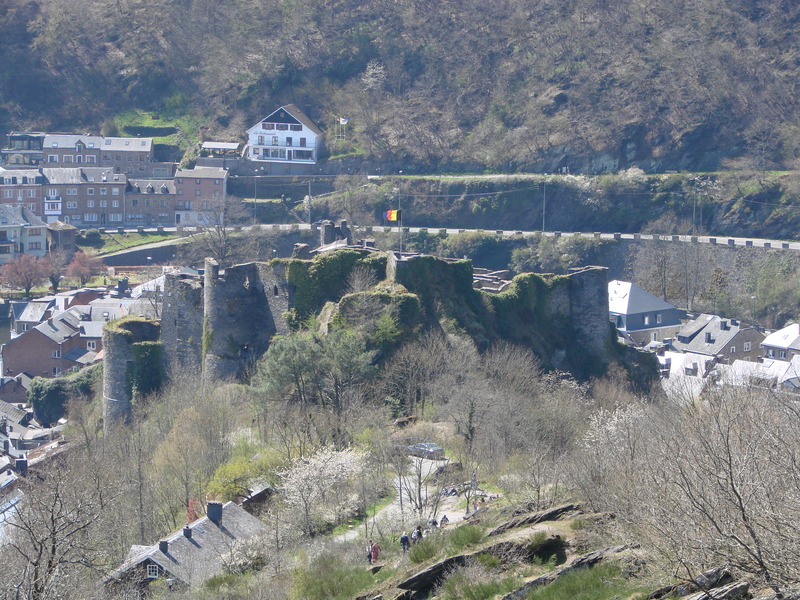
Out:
{"x": 626, "y": 298}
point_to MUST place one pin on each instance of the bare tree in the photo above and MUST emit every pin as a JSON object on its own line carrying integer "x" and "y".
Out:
{"x": 25, "y": 271}
{"x": 84, "y": 266}
{"x": 220, "y": 236}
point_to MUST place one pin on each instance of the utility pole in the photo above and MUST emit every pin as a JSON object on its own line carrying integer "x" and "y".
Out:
{"x": 544, "y": 202}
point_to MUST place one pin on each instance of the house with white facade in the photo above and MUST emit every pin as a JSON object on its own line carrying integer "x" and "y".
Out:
{"x": 285, "y": 137}
{"x": 21, "y": 232}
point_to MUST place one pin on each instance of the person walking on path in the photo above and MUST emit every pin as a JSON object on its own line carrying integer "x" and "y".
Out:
{"x": 369, "y": 552}
{"x": 405, "y": 543}
{"x": 375, "y": 553}
{"x": 416, "y": 535}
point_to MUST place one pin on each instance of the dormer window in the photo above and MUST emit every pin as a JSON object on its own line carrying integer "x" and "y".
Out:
{"x": 127, "y": 143}
{"x": 55, "y": 144}
{"x": 91, "y": 144}
{"x": 108, "y": 142}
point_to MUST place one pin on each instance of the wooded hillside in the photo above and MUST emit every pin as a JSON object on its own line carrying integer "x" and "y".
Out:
{"x": 506, "y": 85}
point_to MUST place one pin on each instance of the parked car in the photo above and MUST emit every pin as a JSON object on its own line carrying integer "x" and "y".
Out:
{"x": 426, "y": 450}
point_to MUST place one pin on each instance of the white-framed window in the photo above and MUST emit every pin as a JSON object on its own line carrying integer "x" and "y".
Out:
{"x": 748, "y": 346}
{"x": 217, "y": 182}
{"x": 654, "y": 337}
{"x": 104, "y": 191}
{"x": 115, "y": 204}
{"x": 56, "y": 371}
{"x": 782, "y": 354}
{"x": 180, "y": 192}
{"x": 115, "y": 217}
{"x": 197, "y": 192}
{"x": 658, "y": 317}
{"x": 90, "y": 191}
{"x": 91, "y": 345}
{"x": 34, "y": 245}
{"x": 275, "y": 140}
{"x": 91, "y": 158}
{"x": 34, "y": 231}
{"x": 733, "y": 349}
{"x": 205, "y": 205}
{"x": 152, "y": 571}
{"x": 180, "y": 179}
{"x": 72, "y": 205}
{"x": 31, "y": 193}
{"x": 296, "y": 127}
{"x": 103, "y": 203}
{"x": 90, "y": 204}
{"x": 52, "y": 158}
{"x": 770, "y": 353}
{"x": 67, "y": 158}
{"x": 90, "y": 217}
{"x": 32, "y": 207}
{"x": 8, "y": 193}
{"x": 647, "y": 319}
{"x": 57, "y": 206}
{"x": 72, "y": 191}
{"x": 115, "y": 191}
{"x": 57, "y": 353}
{"x": 52, "y": 192}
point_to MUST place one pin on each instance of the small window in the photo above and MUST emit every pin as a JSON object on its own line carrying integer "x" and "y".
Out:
{"x": 748, "y": 346}
{"x": 197, "y": 182}
{"x": 91, "y": 345}
{"x": 90, "y": 203}
{"x": 56, "y": 371}
{"x": 152, "y": 571}
{"x": 733, "y": 349}
{"x": 90, "y": 191}
{"x": 647, "y": 319}
{"x": 104, "y": 191}
{"x": 56, "y": 353}
{"x": 658, "y": 317}
{"x": 782, "y": 354}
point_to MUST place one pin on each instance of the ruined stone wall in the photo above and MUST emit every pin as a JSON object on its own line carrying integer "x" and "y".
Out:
{"x": 182, "y": 320}
{"x": 243, "y": 309}
{"x": 119, "y": 337}
{"x": 588, "y": 307}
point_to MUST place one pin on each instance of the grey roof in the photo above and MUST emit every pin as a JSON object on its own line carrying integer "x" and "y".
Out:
{"x": 59, "y": 328}
{"x": 80, "y": 175}
{"x": 68, "y": 140}
{"x": 16, "y": 216}
{"x": 140, "y": 186}
{"x": 12, "y": 412}
{"x": 221, "y": 145}
{"x": 202, "y": 173}
{"x": 31, "y": 175}
{"x": 788, "y": 337}
{"x": 35, "y": 310}
{"x": 81, "y": 356}
{"x": 626, "y": 298}
{"x": 722, "y": 333}
{"x": 300, "y": 116}
{"x": 60, "y": 226}
{"x": 196, "y": 559}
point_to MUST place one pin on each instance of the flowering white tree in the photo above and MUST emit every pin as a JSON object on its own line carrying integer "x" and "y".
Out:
{"x": 319, "y": 486}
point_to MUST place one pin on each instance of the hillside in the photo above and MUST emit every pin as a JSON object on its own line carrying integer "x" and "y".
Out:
{"x": 510, "y": 85}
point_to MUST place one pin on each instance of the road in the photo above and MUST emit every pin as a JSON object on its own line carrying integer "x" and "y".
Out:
{"x": 370, "y": 230}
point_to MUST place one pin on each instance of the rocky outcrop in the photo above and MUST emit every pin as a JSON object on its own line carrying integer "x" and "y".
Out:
{"x": 551, "y": 514}
{"x": 705, "y": 581}
{"x": 583, "y": 561}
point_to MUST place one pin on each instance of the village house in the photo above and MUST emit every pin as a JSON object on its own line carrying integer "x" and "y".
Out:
{"x": 87, "y": 196}
{"x": 783, "y": 344}
{"x": 22, "y": 188}
{"x": 725, "y": 339}
{"x": 190, "y": 556}
{"x": 21, "y": 232}
{"x": 23, "y": 148}
{"x": 640, "y": 316}
{"x": 284, "y": 139}
{"x": 28, "y": 314}
{"x": 199, "y": 194}
{"x": 150, "y": 202}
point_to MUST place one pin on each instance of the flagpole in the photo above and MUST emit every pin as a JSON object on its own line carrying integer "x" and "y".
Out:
{"x": 400, "y": 221}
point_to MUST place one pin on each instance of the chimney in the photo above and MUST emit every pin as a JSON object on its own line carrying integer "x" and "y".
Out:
{"x": 214, "y": 512}
{"x": 163, "y": 546}
{"x": 708, "y": 337}
{"x": 187, "y": 532}
{"x": 723, "y": 325}
{"x": 21, "y": 465}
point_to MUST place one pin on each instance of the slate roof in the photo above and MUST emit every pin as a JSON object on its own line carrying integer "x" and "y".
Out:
{"x": 139, "y": 186}
{"x": 202, "y": 173}
{"x": 13, "y": 413}
{"x": 82, "y": 356}
{"x": 68, "y": 140}
{"x": 722, "y": 333}
{"x": 16, "y": 216}
{"x": 60, "y": 226}
{"x": 626, "y": 298}
{"x": 33, "y": 311}
{"x": 788, "y": 337}
{"x": 294, "y": 115}
{"x": 196, "y": 559}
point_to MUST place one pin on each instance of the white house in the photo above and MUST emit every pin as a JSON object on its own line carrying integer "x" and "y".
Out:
{"x": 287, "y": 136}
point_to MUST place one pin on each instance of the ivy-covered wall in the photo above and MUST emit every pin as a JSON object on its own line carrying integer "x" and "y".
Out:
{"x": 49, "y": 397}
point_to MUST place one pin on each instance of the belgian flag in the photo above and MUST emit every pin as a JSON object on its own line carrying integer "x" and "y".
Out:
{"x": 392, "y": 215}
